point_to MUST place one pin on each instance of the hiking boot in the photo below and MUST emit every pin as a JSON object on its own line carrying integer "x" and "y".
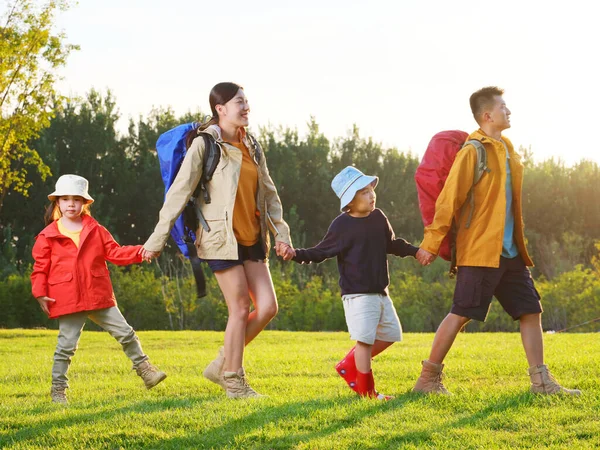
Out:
{"x": 58, "y": 394}
{"x": 214, "y": 371}
{"x": 150, "y": 374}
{"x": 237, "y": 386}
{"x": 542, "y": 382}
{"x": 430, "y": 380}
{"x": 346, "y": 368}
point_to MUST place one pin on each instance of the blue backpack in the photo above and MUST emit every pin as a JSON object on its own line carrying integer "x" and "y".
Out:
{"x": 171, "y": 149}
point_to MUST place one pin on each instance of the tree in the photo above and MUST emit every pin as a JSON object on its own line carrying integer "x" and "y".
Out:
{"x": 30, "y": 56}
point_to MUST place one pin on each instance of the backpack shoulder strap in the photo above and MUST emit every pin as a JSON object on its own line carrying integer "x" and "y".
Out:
{"x": 210, "y": 160}
{"x": 480, "y": 168}
{"x": 211, "y": 157}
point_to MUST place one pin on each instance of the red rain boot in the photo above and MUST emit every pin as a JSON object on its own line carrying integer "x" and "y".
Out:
{"x": 365, "y": 387}
{"x": 347, "y": 369}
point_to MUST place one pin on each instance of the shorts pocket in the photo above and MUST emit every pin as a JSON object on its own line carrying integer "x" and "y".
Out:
{"x": 469, "y": 290}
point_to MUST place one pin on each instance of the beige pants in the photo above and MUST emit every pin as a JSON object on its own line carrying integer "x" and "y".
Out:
{"x": 70, "y": 328}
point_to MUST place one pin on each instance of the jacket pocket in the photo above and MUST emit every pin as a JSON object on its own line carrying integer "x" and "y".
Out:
{"x": 60, "y": 278}
{"x": 218, "y": 234}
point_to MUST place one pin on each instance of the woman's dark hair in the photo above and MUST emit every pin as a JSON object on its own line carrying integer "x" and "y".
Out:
{"x": 220, "y": 94}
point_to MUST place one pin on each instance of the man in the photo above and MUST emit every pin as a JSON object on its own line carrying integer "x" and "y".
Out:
{"x": 491, "y": 255}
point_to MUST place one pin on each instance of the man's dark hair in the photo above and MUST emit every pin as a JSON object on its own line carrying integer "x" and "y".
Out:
{"x": 483, "y": 99}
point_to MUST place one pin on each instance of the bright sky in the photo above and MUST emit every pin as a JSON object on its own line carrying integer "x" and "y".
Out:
{"x": 401, "y": 70}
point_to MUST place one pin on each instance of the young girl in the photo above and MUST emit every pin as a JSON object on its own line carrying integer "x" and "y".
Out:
{"x": 234, "y": 240}
{"x": 70, "y": 280}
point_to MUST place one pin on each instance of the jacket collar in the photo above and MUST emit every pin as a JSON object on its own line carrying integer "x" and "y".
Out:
{"x": 51, "y": 231}
{"x": 215, "y": 132}
{"x": 484, "y": 138}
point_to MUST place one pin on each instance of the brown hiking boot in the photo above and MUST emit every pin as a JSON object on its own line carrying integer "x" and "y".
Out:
{"x": 542, "y": 382}
{"x": 150, "y": 374}
{"x": 430, "y": 381}
{"x": 237, "y": 386}
{"x": 58, "y": 394}
{"x": 214, "y": 371}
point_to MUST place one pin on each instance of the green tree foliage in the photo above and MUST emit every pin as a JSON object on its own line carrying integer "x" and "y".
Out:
{"x": 561, "y": 217}
{"x": 30, "y": 55}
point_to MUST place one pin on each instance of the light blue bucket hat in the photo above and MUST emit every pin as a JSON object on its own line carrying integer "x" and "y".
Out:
{"x": 348, "y": 182}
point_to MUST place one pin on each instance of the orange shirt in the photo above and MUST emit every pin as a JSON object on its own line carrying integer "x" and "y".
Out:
{"x": 246, "y": 226}
{"x": 74, "y": 235}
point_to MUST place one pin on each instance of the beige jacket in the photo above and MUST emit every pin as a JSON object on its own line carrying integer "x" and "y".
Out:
{"x": 481, "y": 243}
{"x": 219, "y": 242}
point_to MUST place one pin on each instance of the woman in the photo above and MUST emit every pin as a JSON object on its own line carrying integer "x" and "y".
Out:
{"x": 235, "y": 241}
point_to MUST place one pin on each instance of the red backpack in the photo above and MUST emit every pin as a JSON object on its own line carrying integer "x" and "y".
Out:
{"x": 432, "y": 173}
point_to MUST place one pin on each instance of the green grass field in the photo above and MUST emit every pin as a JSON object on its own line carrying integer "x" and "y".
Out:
{"x": 309, "y": 405}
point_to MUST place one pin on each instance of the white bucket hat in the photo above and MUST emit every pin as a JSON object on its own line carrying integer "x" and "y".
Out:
{"x": 348, "y": 182}
{"x": 71, "y": 185}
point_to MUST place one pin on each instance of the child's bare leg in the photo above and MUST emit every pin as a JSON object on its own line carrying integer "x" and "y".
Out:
{"x": 378, "y": 347}
{"x": 362, "y": 356}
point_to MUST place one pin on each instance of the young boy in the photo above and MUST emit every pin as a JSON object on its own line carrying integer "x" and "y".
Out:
{"x": 360, "y": 238}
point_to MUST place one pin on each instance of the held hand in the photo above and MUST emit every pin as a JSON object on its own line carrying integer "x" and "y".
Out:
{"x": 43, "y": 301}
{"x": 279, "y": 248}
{"x": 424, "y": 257}
{"x": 289, "y": 253}
{"x": 284, "y": 250}
{"x": 147, "y": 255}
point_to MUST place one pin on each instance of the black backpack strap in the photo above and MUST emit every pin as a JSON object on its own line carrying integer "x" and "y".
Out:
{"x": 210, "y": 161}
{"x": 196, "y": 268}
{"x": 192, "y": 213}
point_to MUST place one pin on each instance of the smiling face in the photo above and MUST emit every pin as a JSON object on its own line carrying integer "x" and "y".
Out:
{"x": 235, "y": 111}
{"x": 71, "y": 206}
{"x": 363, "y": 202}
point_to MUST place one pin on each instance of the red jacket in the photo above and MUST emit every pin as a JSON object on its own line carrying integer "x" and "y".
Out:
{"x": 77, "y": 278}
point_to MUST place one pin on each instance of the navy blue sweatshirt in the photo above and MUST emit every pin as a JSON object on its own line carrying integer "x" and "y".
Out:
{"x": 361, "y": 245}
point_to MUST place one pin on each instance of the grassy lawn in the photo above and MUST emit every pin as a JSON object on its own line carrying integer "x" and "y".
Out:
{"x": 309, "y": 406}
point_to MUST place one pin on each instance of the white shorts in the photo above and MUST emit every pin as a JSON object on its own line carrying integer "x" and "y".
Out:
{"x": 371, "y": 317}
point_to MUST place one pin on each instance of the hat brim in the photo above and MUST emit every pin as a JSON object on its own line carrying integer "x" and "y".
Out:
{"x": 54, "y": 196}
{"x": 360, "y": 183}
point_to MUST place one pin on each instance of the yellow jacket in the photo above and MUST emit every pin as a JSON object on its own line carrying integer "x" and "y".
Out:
{"x": 219, "y": 242}
{"x": 481, "y": 243}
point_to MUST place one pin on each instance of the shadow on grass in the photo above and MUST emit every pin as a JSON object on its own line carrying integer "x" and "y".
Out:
{"x": 234, "y": 433}
{"x": 268, "y": 426}
{"x": 427, "y": 437}
{"x": 32, "y": 434}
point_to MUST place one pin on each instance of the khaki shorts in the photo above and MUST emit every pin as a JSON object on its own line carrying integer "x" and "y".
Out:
{"x": 371, "y": 317}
